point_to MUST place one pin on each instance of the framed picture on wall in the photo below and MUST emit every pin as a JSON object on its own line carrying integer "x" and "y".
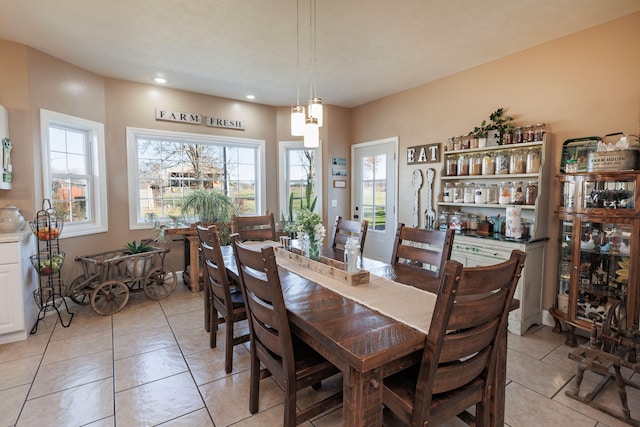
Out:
{"x": 339, "y": 183}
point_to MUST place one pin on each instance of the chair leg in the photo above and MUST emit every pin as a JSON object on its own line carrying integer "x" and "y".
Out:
{"x": 290, "y": 406}
{"x": 207, "y": 309}
{"x": 213, "y": 333}
{"x": 254, "y": 387}
{"x": 228, "y": 350}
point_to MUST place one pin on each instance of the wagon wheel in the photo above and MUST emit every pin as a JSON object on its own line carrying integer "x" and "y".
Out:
{"x": 109, "y": 297}
{"x": 160, "y": 282}
{"x": 613, "y": 325}
{"x": 79, "y": 294}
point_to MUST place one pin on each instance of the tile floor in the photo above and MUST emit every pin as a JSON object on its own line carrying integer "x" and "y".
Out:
{"x": 151, "y": 365}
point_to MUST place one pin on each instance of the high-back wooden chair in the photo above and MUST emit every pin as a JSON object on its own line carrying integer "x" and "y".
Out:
{"x": 345, "y": 228}
{"x": 427, "y": 250}
{"x": 459, "y": 359}
{"x": 260, "y": 227}
{"x": 219, "y": 297}
{"x": 292, "y": 363}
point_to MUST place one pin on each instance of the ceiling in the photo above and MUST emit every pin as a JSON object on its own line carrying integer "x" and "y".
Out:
{"x": 366, "y": 49}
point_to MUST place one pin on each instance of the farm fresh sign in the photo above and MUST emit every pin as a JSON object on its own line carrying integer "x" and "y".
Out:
{"x": 196, "y": 119}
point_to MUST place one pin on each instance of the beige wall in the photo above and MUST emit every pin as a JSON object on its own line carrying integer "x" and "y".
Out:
{"x": 581, "y": 85}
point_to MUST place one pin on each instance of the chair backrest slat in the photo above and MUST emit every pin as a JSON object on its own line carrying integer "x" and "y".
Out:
{"x": 425, "y": 249}
{"x": 257, "y": 227}
{"x": 346, "y": 228}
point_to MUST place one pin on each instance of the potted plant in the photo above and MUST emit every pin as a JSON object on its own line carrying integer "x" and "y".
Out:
{"x": 139, "y": 265}
{"x": 481, "y": 132}
{"x": 210, "y": 207}
{"x": 288, "y": 223}
{"x": 501, "y": 123}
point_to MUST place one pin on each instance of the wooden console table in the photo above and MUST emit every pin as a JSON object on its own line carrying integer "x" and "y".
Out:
{"x": 191, "y": 256}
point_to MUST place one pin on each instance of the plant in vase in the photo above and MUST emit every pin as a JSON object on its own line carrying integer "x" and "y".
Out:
{"x": 310, "y": 232}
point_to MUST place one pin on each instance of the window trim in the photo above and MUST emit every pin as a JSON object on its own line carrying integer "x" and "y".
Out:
{"x": 99, "y": 222}
{"x": 283, "y": 148}
{"x": 132, "y": 133}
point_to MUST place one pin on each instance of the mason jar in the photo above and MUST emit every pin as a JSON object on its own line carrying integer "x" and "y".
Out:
{"x": 517, "y": 161}
{"x": 534, "y": 159}
{"x": 492, "y": 194}
{"x": 458, "y": 196}
{"x": 531, "y": 193}
{"x": 447, "y": 193}
{"x": 504, "y": 198}
{"x": 539, "y": 131}
{"x": 452, "y": 165}
{"x": 463, "y": 165}
{"x": 480, "y": 194}
{"x": 469, "y": 192}
{"x": 476, "y": 164}
{"x": 502, "y": 163}
{"x": 518, "y": 193}
{"x": 517, "y": 135}
{"x": 488, "y": 164}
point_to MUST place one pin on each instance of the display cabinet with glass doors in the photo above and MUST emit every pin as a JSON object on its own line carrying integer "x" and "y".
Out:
{"x": 598, "y": 254}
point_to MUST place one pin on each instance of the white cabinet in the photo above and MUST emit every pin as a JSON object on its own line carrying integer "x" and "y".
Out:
{"x": 474, "y": 252}
{"x": 18, "y": 310}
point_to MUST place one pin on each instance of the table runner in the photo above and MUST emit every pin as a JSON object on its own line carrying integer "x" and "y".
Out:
{"x": 404, "y": 303}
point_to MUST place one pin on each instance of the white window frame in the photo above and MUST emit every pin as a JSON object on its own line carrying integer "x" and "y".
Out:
{"x": 99, "y": 220}
{"x": 283, "y": 149}
{"x": 136, "y": 223}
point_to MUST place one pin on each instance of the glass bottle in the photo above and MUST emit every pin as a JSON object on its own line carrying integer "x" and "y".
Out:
{"x": 447, "y": 193}
{"x": 517, "y": 135}
{"x": 518, "y": 193}
{"x": 534, "y": 159}
{"x": 480, "y": 194}
{"x": 473, "y": 222}
{"x": 517, "y": 161}
{"x": 476, "y": 164}
{"x": 449, "y": 146}
{"x": 539, "y": 131}
{"x": 351, "y": 252}
{"x": 443, "y": 220}
{"x": 492, "y": 194}
{"x": 529, "y": 134}
{"x": 469, "y": 192}
{"x": 458, "y": 196}
{"x": 504, "y": 198}
{"x": 507, "y": 137}
{"x": 488, "y": 165}
{"x": 456, "y": 142}
{"x": 463, "y": 165}
{"x": 502, "y": 163}
{"x": 452, "y": 165}
{"x": 531, "y": 193}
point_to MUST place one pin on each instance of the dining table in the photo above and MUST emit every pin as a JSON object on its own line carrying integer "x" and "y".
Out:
{"x": 364, "y": 343}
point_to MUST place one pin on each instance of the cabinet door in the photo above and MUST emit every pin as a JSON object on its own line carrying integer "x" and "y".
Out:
{"x": 11, "y": 316}
{"x": 602, "y": 268}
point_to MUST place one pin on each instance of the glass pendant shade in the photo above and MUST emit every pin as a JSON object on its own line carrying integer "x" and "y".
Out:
{"x": 297, "y": 120}
{"x": 315, "y": 109}
{"x": 311, "y": 133}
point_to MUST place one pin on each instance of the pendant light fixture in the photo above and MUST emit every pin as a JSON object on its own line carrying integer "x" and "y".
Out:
{"x": 315, "y": 103}
{"x": 311, "y": 133}
{"x": 297, "y": 111}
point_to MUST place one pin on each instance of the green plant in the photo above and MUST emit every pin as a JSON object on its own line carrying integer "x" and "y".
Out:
{"x": 137, "y": 248}
{"x": 497, "y": 121}
{"x": 208, "y": 206}
{"x": 305, "y": 204}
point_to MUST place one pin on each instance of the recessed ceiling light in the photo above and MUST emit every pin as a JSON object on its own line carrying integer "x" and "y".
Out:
{"x": 160, "y": 80}
{"x": 251, "y": 97}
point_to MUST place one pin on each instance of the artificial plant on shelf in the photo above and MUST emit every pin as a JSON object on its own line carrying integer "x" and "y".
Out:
{"x": 498, "y": 122}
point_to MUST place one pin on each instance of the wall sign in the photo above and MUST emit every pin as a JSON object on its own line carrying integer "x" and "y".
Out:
{"x": 423, "y": 154}
{"x": 178, "y": 116}
{"x": 217, "y": 122}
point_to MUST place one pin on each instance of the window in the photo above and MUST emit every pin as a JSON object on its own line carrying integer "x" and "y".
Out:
{"x": 73, "y": 157}
{"x": 165, "y": 166}
{"x": 300, "y": 166}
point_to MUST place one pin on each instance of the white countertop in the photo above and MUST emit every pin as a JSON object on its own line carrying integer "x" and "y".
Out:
{"x": 14, "y": 237}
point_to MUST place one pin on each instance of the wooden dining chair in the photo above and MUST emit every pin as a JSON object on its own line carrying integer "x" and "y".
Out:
{"x": 459, "y": 360}
{"x": 260, "y": 227}
{"x": 424, "y": 250}
{"x": 293, "y": 364}
{"x": 345, "y": 228}
{"x": 219, "y": 297}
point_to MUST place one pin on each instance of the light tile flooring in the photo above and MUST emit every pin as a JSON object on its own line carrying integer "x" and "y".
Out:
{"x": 151, "y": 365}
